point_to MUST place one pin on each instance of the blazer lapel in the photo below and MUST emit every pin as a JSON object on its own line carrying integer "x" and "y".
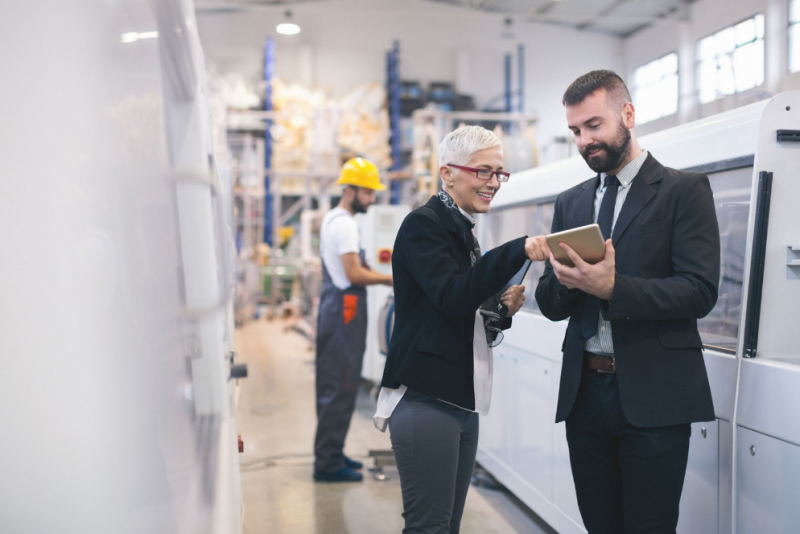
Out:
{"x": 641, "y": 193}
{"x": 584, "y": 207}
{"x": 444, "y": 214}
{"x": 447, "y": 219}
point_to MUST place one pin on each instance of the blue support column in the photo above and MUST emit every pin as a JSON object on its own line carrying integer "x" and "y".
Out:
{"x": 507, "y": 88}
{"x": 269, "y": 73}
{"x": 393, "y": 97}
{"x": 521, "y": 75}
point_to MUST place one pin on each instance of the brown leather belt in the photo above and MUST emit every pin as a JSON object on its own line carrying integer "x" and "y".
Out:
{"x": 601, "y": 364}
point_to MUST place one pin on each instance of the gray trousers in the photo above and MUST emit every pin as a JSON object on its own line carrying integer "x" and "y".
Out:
{"x": 341, "y": 339}
{"x": 435, "y": 445}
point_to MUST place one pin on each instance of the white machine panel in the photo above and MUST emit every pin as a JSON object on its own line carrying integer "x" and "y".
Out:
{"x": 781, "y": 289}
{"x": 563, "y": 484}
{"x": 378, "y": 229}
{"x": 769, "y": 397}
{"x": 768, "y": 484}
{"x": 533, "y": 399}
{"x": 725, "y": 501}
{"x": 701, "y": 487}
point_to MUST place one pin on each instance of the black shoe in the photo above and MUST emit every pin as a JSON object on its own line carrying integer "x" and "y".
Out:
{"x": 353, "y": 464}
{"x": 345, "y": 474}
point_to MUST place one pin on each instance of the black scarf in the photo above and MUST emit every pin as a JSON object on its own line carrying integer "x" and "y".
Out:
{"x": 492, "y": 311}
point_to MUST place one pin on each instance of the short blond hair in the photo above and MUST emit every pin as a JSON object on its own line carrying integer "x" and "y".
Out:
{"x": 459, "y": 145}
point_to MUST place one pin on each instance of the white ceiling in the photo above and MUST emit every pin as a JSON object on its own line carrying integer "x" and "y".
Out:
{"x": 615, "y": 17}
{"x": 620, "y": 18}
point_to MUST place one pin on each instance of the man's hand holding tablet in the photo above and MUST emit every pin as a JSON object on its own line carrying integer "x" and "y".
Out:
{"x": 581, "y": 260}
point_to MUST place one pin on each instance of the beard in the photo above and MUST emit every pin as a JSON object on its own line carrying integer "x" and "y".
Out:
{"x": 357, "y": 206}
{"x": 615, "y": 152}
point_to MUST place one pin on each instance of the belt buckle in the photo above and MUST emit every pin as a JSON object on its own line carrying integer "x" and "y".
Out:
{"x": 613, "y": 368}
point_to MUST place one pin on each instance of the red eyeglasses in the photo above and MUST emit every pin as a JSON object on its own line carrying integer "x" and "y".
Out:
{"x": 484, "y": 174}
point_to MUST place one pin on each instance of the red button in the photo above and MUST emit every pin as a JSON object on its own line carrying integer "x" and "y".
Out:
{"x": 385, "y": 255}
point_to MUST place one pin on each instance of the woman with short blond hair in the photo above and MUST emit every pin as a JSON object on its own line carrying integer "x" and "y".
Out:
{"x": 438, "y": 377}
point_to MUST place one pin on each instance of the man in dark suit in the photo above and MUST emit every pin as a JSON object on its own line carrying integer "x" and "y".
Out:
{"x": 633, "y": 376}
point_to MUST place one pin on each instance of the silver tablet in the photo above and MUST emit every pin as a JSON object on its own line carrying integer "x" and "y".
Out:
{"x": 587, "y": 241}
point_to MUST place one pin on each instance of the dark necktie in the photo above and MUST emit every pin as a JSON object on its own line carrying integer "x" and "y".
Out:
{"x": 592, "y": 304}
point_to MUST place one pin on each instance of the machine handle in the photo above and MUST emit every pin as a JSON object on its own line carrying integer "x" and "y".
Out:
{"x": 225, "y": 292}
{"x": 788, "y": 135}
{"x": 239, "y": 371}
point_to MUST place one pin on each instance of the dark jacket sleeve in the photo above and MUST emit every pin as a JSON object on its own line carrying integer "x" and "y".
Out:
{"x": 691, "y": 291}
{"x": 555, "y": 301}
{"x": 430, "y": 261}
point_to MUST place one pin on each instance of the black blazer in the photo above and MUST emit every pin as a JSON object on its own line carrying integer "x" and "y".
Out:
{"x": 436, "y": 295}
{"x": 667, "y": 274}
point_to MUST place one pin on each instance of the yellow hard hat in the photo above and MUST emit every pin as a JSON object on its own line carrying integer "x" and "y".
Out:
{"x": 361, "y": 173}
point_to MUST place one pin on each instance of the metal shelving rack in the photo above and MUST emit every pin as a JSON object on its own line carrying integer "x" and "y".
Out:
{"x": 248, "y": 222}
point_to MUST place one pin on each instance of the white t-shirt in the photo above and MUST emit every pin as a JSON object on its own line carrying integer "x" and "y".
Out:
{"x": 338, "y": 235}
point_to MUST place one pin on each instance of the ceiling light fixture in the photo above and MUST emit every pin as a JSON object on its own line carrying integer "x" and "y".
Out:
{"x": 132, "y": 37}
{"x": 288, "y": 28}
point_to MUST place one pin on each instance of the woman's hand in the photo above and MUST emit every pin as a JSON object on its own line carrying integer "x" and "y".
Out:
{"x": 513, "y": 299}
{"x": 536, "y": 248}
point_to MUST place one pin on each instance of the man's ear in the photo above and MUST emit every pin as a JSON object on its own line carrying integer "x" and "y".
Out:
{"x": 629, "y": 115}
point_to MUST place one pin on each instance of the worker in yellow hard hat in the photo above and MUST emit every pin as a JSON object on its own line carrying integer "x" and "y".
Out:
{"x": 342, "y": 320}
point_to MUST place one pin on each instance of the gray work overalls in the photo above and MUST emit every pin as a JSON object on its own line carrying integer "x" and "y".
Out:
{"x": 341, "y": 340}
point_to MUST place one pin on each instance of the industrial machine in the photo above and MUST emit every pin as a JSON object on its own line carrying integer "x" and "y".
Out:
{"x": 117, "y": 326}
{"x": 743, "y": 475}
{"x": 378, "y": 229}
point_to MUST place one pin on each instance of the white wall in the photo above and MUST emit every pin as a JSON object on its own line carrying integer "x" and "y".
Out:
{"x": 344, "y": 43}
{"x": 700, "y": 19}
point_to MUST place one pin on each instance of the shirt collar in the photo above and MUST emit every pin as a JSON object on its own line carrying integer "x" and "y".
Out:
{"x": 467, "y": 216}
{"x": 629, "y": 171}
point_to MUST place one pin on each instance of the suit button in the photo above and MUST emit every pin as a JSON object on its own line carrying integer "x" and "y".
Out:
{"x": 470, "y": 372}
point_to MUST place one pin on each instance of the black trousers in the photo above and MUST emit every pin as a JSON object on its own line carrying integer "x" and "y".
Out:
{"x": 628, "y": 479}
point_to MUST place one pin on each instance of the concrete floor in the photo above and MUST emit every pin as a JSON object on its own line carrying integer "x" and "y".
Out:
{"x": 276, "y": 418}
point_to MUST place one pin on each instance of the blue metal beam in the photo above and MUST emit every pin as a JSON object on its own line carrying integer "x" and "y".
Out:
{"x": 507, "y": 88}
{"x": 393, "y": 96}
{"x": 269, "y": 73}
{"x": 521, "y": 75}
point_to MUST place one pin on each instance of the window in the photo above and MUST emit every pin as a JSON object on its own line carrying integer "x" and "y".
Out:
{"x": 731, "y": 60}
{"x": 655, "y": 89}
{"x": 720, "y": 328}
{"x": 794, "y": 36}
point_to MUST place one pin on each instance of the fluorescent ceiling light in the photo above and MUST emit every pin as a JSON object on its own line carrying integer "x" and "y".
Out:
{"x": 131, "y": 37}
{"x": 287, "y": 28}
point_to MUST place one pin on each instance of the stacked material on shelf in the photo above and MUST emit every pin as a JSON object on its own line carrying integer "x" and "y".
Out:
{"x": 364, "y": 127}
{"x": 236, "y": 90}
{"x": 324, "y": 151}
{"x": 291, "y": 131}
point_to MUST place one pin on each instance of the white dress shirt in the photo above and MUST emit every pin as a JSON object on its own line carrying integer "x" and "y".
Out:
{"x": 601, "y": 342}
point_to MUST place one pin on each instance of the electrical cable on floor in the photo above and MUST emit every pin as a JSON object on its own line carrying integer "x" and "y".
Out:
{"x": 271, "y": 461}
